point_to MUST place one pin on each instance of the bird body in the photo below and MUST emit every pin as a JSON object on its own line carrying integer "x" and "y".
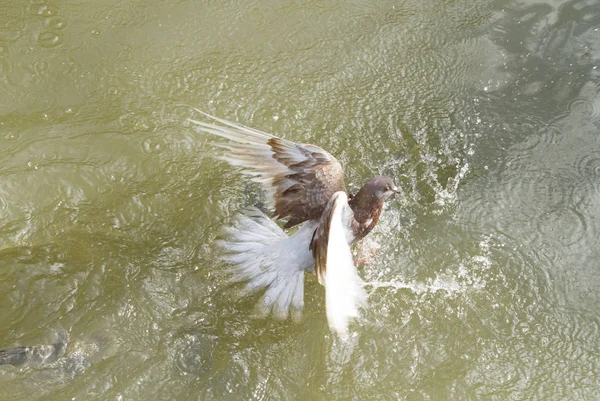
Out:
{"x": 307, "y": 187}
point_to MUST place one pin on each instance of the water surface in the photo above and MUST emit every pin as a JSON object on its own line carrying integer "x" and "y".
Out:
{"x": 486, "y": 113}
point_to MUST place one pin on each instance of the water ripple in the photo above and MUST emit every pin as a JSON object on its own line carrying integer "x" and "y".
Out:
{"x": 124, "y": 15}
{"x": 154, "y": 144}
{"x": 583, "y": 108}
{"x": 164, "y": 79}
{"x": 44, "y": 10}
{"x": 11, "y": 30}
{"x": 589, "y": 165}
{"x": 566, "y": 225}
{"x": 538, "y": 139}
{"x": 54, "y": 23}
{"x": 194, "y": 353}
{"x": 48, "y": 39}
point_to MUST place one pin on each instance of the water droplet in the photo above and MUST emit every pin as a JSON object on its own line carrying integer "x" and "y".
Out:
{"x": 11, "y": 136}
{"x": 152, "y": 145}
{"x": 116, "y": 177}
{"x": 45, "y": 10}
{"x": 126, "y": 53}
{"x": 54, "y": 23}
{"x": 40, "y": 67}
{"x": 48, "y": 39}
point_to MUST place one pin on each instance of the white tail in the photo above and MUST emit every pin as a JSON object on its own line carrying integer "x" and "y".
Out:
{"x": 263, "y": 255}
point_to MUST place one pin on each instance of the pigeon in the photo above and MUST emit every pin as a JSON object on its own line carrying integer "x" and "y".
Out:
{"x": 306, "y": 186}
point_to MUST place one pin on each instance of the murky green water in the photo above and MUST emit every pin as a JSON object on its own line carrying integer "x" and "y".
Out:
{"x": 487, "y": 113}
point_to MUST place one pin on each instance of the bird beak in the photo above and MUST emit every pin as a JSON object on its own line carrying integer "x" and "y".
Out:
{"x": 394, "y": 189}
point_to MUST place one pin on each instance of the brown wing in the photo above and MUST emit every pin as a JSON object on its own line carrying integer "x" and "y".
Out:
{"x": 300, "y": 177}
{"x": 319, "y": 242}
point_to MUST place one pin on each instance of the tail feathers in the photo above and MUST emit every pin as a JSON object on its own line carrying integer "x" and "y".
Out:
{"x": 283, "y": 295}
{"x": 261, "y": 254}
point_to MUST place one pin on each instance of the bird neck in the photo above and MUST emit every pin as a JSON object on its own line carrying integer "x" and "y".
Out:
{"x": 366, "y": 208}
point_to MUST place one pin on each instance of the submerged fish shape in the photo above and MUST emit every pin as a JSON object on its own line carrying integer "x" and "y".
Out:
{"x": 306, "y": 184}
{"x": 35, "y": 355}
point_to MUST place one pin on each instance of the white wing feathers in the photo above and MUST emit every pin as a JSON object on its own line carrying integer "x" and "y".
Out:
{"x": 250, "y": 149}
{"x": 344, "y": 290}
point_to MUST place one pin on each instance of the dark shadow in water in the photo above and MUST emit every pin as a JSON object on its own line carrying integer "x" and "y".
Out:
{"x": 35, "y": 355}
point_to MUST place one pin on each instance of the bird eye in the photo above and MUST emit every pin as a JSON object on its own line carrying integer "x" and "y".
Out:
{"x": 386, "y": 188}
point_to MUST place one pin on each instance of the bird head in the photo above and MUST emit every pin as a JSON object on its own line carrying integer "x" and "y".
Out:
{"x": 381, "y": 187}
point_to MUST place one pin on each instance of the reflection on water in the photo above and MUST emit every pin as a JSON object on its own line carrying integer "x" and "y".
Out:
{"x": 485, "y": 281}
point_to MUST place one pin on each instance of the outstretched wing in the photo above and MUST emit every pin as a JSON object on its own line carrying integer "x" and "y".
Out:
{"x": 301, "y": 177}
{"x": 334, "y": 266}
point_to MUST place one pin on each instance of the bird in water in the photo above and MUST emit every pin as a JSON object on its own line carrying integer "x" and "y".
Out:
{"x": 306, "y": 184}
